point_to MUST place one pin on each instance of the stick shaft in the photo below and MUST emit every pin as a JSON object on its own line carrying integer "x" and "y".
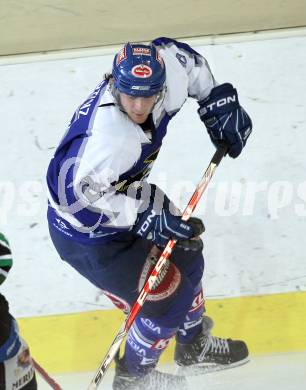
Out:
{"x": 51, "y": 382}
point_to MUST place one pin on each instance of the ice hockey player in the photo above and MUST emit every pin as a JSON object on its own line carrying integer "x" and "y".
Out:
{"x": 104, "y": 216}
{"x": 16, "y": 367}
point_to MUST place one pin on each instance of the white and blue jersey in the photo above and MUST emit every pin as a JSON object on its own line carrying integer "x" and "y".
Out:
{"x": 104, "y": 153}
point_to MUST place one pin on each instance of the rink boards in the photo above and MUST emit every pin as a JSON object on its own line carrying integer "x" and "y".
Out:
{"x": 77, "y": 342}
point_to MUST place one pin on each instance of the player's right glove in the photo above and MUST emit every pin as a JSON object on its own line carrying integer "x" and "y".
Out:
{"x": 160, "y": 225}
{"x": 226, "y": 121}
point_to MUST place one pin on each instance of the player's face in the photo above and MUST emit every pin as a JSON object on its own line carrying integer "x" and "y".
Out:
{"x": 137, "y": 108}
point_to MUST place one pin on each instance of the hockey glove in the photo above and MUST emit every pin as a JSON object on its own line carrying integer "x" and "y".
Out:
{"x": 226, "y": 121}
{"x": 161, "y": 225}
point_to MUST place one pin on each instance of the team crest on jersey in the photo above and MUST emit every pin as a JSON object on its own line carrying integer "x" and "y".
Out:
{"x": 142, "y": 71}
{"x": 135, "y": 180}
{"x": 121, "y": 55}
{"x": 143, "y": 51}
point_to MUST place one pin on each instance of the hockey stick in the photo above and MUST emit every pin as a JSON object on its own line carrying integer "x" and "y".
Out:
{"x": 194, "y": 200}
{"x": 51, "y": 382}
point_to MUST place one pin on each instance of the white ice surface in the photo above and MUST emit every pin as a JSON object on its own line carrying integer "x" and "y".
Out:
{"x": 277, "y": 372}
{"x": 254, "y": 244}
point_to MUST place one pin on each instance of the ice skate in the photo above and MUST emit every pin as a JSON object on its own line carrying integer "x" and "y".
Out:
{"x": 207, "y": 353}
{"x": 151, "y": 381}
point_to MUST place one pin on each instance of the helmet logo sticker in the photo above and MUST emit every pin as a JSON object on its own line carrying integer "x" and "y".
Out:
{"x": 141, "y": 51}
{"x": 140, "y": 87}
{"x": 142, "y": 71}
{"x": 121, "y": 55}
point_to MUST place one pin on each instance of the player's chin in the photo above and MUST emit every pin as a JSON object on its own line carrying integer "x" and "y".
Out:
{"x": 139, "y": 119}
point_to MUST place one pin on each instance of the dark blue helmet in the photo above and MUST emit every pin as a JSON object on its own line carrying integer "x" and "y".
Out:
{"x": 139, "y": 70}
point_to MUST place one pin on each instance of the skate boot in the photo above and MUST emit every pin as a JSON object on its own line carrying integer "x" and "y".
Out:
{"x": 154, "y": 380}
{"x": 207, "y": 353}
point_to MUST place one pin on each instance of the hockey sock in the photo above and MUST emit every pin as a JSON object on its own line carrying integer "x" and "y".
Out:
{"x": 192, "y": 324}
{"x": 145, "y": 342}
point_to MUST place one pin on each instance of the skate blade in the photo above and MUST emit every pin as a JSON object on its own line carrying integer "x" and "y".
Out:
{"x": 206, "y": 368}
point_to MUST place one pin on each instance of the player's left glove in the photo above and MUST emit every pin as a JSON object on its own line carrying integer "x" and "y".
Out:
{"x": 226, "y": 121}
